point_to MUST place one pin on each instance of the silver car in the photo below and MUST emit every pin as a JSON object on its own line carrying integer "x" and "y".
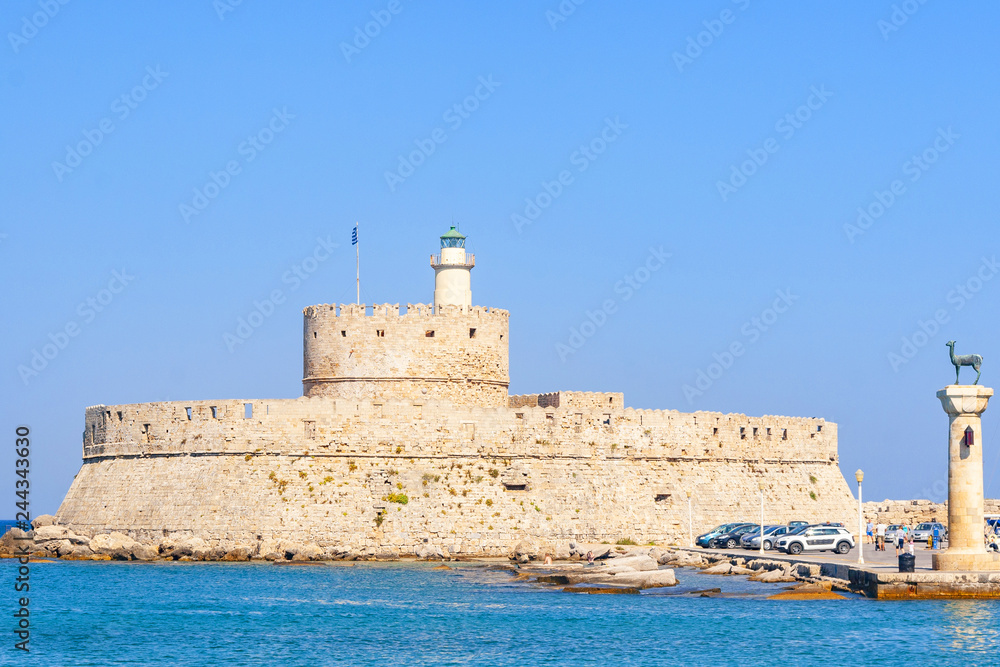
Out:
{"x": 818, "y": 538}
{"x": 892, "y": 533}
{"x": 925, "y": 530}
{"x": 771, "y": 534}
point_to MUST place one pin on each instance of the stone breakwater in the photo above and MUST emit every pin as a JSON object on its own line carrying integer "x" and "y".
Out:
{"x": 911, "y": 512}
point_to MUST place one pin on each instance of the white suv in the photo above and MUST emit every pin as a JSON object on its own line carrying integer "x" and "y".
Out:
{"x": 817, "y": 538}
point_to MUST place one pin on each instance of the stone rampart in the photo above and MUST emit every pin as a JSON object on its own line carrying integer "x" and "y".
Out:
{"x": 375, "y": 352}
{"x": 475, "y": 479}
{"x": 912, "y": 512}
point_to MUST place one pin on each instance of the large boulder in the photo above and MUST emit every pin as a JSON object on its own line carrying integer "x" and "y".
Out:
{"x": 308, "y": 552}
{"x": 648, "y": 579}
{"x": 237, "y": 554}
{"x": 43, "y": 521}
{"x": 59, "y": 533}
{"x": 116, "y": 545}
{"x": 640, "y": 563}
{"x": 429, "y": 551}
{"x": 526, "y": 547}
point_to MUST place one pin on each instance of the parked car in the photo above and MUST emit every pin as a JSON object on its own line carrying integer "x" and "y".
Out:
{"x": 925, "y": 530}
{"x": 818, "y": 538}
{"x": 835, "y": 524}
{"x": 705, "y": 540}
{"x": 751, "y": 540}
{"x": 731, "y": 538}
{"x": 792, "y": 525}
{"x": 891, "y": 533}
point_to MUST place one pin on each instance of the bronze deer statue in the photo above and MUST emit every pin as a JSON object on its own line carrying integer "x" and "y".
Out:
{"x": 959, "y": 360}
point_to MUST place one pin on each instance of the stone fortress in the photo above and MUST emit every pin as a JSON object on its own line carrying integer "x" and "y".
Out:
{"x": 406, "y": 441}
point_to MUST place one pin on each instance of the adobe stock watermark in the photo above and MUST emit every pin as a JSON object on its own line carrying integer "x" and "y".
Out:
{"x": 696, "y": 44}
{"x": 249, "y": 149}
{"x": 914, "y": 168}
{"x": 751, "y": 332}
{"x": 122, "y": 107}
{"x": 454, "y": 116}
{"x": 901, "y": 13}
{"x": 565, "y": 9}
{"x": 30, "y": 25}
{"x": 626, "y": 287}
{"x": 87, "y": 310}
{"x": 264, "y": 308}
{"x": 786, "y": 126}
{"x": 381, "y": 18}
{"x": 957, "y": 298}
{"x": 223, "y": 7}
{"x": 581, "y": 158}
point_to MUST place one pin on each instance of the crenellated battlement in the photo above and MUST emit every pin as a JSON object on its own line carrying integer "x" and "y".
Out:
{"x": 438, "y": 428}
{"x": 390, "y": 310}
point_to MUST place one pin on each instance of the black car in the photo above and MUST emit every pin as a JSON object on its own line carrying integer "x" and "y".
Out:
{"x": 731, "y": 538}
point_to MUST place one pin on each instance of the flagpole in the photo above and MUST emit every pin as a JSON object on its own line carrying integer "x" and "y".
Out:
{"x": 357, "y": 248}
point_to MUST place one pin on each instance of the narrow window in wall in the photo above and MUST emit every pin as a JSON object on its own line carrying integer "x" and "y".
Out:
{"x": 662, "y": 497}
{"x": 611, "y": 400}
{"x": 428, "y": 334}
{"x": 93, "y": 432}
{"x": 607, "y": 420}
{"x": 188, "y": 411}
{"x": 743, "y": 433}
{"x": 146, "y": 432}
{"x": 819, "y": 428}
{"x": 715, "y": 431}
{"x": 119, "y": 415}
{"x": 472, "y": 333}
{"x": 501, "y": 336}
{"x": 343, "y": 334}
{"x": 314, "y": 334}
{"x": 784, "y": 434}
{"x": 519, "y": 415}
{"x": 769, "y": 432}
{"x": 380, "y": 333}
{"x": 215, "y": 412}
{"x": 247, "y": 410}
{"x": 755, "y": 431}
{"x": 550, "y": 417}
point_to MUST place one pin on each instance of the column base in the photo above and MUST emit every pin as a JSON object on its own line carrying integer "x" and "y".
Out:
{"x": 966, "y": 562}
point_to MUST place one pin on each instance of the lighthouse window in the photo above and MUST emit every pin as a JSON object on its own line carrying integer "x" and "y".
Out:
{"x": 428, "y": 334}
{"x": 188, "y": 410}
{"x": 472, "y": 333}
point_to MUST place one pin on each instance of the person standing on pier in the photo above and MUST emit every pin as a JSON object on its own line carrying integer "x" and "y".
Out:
{"x": 880, "y": 536}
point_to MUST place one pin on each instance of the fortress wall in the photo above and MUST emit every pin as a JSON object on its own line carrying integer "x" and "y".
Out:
{"x": 477, "y": 479}
{"x": 459, "y": 355}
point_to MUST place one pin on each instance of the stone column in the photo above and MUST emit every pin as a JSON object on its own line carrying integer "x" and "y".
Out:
{"x": 966, "y": 550}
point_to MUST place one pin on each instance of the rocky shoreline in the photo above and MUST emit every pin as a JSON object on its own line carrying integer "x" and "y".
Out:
{"x": 616, "y": 568}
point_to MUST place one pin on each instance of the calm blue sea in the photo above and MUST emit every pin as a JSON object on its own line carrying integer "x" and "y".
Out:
{"x": 409, "y": 614}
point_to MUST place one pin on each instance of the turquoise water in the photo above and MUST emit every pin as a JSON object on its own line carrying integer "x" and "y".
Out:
{"x": 408, "y": 614}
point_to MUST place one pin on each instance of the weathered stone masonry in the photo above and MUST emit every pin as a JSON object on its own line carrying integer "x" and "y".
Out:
{"x": 406, "y": 439}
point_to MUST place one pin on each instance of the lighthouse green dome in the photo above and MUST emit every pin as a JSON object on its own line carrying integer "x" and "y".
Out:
{"x": 452, "y": 239}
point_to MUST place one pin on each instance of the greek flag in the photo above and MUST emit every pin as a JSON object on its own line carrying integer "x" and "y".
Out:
{"x": 354, "y": 236}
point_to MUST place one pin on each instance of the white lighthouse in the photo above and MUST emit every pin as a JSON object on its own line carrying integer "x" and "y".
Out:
{"x": 452, "y": 272}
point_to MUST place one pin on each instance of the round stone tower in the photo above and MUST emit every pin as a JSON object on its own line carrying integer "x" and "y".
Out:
{"x": 452, "y": 272}
{"x": 449, "y": 350}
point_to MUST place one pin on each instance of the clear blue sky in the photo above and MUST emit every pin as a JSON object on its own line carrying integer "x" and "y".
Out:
{"x": 831, "y": 104}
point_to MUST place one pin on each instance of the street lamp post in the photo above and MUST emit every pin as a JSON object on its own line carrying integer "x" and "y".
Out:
{"x": 859, "y": 475}
{"x": 690, "y": 524}
{"x": 762, "y": 518}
